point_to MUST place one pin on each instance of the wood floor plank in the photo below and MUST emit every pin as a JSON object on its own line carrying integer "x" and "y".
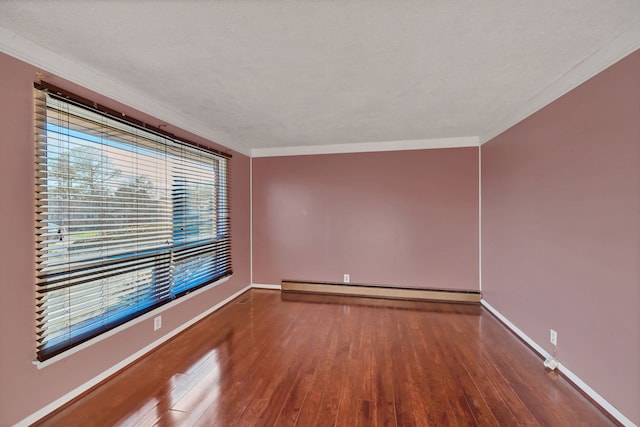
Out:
{"x": 307, "y": 360}
{"x": 310, "y": 368}
{"x": 385, "y": 394}
{"x": 328, "y": 413}
{"x": 310, "y": 409}
{"x": 366, "y": 416}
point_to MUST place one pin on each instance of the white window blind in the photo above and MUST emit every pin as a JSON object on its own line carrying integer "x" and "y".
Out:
{"x": 127, "y": 219}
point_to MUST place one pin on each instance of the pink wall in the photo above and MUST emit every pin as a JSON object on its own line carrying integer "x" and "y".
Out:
{"x": 404, "y": 218}
{"x": 23, "y": 388}
{"x": 561, "y": 230}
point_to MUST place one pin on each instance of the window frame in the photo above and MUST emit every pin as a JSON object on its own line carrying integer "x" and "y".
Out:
{"x": 222, "y": 228}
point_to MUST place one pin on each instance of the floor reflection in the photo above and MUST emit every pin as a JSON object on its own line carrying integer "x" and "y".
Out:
{"x": 293, "y": 359}
{"x": 147, "y": 414}
{"x": 178, "y": 384}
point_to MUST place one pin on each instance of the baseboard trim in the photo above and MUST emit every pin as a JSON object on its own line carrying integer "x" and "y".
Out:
{"x": 581, "y": 385}
{"x": 124, "y": 363}
{"x": 378, "y": 291}
{"x": 265, "y": 286}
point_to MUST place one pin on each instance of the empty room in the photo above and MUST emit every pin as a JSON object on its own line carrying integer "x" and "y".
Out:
{"x": 319, "y": 213}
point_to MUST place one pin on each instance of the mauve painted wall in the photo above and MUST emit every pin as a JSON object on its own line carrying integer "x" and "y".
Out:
{"x": 402, "y": 217}
{"x": 23, "y": 388}
{"x": 561, "y": 230}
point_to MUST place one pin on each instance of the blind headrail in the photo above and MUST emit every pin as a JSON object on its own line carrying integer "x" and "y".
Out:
{"x": 119, "y": 116}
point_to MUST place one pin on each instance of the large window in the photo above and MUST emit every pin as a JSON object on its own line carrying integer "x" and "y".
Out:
{"x": 127, "y": 219}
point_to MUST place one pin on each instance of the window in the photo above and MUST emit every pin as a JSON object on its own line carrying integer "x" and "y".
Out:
{"x": 127, "y": 219}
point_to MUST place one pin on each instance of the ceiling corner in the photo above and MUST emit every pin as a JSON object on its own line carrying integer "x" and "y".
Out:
{"x": 620, "y": 46}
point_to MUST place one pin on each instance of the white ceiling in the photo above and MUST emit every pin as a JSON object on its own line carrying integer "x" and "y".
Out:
{"x": 256, "y": 74}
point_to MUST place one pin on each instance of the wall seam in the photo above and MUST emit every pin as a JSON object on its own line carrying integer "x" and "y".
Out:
{"x": 480, "y": 217}
{"x": 250, "y": 219}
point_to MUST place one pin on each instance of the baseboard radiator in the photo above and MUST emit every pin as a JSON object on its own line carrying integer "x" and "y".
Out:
{"x": 382, "y": 291}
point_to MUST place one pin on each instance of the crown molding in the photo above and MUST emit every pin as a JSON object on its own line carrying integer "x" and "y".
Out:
{"x": 92, "y": 79}
{"x": 620, "y": 46}
{"x": 25, "y": 50}
{"x": 363, "y": 147}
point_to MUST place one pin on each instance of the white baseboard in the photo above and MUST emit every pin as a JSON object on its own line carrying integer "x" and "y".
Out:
{"x": 570, "y": 375}
{"x": 265, "y": 286}
{"x": 96, "y": 380}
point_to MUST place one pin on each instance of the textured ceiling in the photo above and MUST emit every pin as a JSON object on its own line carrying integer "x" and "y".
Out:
{"x": 262, "y": 74}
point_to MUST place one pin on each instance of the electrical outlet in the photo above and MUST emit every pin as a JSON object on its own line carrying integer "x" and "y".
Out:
{"x": 157, "y": 323}
{"x": 553, "y": 337}
{"x": 346, "y": 278}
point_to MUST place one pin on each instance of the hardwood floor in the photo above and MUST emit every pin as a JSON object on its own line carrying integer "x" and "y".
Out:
{"x": 269, "y": 358}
